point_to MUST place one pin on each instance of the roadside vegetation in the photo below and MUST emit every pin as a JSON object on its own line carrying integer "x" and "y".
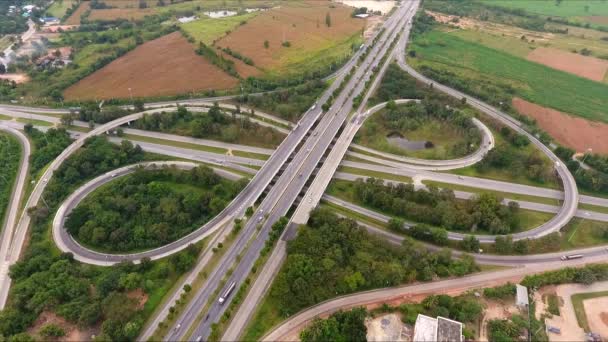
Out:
{"x": 484, "y": 214}
{"x": 47, "y": 146}
{"x": 149, "y": 209}
{"x": 235, "y": 127}
{"x": 289, "y": 103}
{"x": 10, "y": 155}
{"x": 339, "y": 326}
{"x": 444, "y": 132}
{"x": 113, "y": 301}
{"x": 594, "y": 180}
{"x": 332, "y": 256}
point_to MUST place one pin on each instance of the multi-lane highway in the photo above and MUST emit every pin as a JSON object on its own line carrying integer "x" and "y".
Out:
{"x": 285, "y": 191}
{"x": 8, "y": 226}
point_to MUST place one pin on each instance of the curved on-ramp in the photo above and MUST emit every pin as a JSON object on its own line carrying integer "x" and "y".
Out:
{"x": 12, "y": 211}
{"x": 487, "y": 143}
{"x": 571, "y": 196}
{"x": 66, "y": 243}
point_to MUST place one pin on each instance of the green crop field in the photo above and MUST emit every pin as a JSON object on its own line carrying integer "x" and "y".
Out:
{"x": 564, "y": 8}
{"x": 545, "y": 86}
{"x": 207, "y": 30}
{"x": 59, "y": 7}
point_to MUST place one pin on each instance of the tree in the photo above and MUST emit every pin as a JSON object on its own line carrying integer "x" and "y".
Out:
{"x": 51, "y": 330}
{"x": 470, "y": 244}
{"x": 327, "y": 20}
{"x": 395, "y": 224}
{"x": 266, "y": 44}
{"x": 2, "y": 69}
{"x": 67, "y": 120}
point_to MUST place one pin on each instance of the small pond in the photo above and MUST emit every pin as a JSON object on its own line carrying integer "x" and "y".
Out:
{"x": 398, "y": 140}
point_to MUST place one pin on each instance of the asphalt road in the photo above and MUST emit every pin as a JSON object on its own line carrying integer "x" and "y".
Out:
{"x": 291, "y": 326}
{"x": 571, "y": 196}
{"x": 285, "y": 191}
{"x": 12, "y": 211}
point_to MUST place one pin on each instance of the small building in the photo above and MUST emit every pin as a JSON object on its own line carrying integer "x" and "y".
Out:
{"x": 49, "y": 20}
{"x": 362, "y": 15}
{"x": 28, "y": 8}
{"x": 440, "y": 329}
{"x": 521, "y": 297}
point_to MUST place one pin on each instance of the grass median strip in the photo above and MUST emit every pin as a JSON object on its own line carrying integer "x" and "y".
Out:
{"x": 512, "y": 196}
{"x": 198, "y": 147}
{"x": 375, "y": 174}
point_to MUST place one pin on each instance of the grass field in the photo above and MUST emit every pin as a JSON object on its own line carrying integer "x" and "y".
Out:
{"x": 577, "y": 10}
{"x": 207, "y": 30}
{"x": 444, "y": 136}
{"x": 303, "y": 24}
{"x": 165, "y": 66}
{"x": 473, "y": 62}
{"x": 579, "y": 308}
{"x": 59, "y": 7}
{"x": 584, "y": 233}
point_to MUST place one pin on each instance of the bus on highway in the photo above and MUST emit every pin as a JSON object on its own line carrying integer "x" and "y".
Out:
{"x": 227, "y": 293}
{"x": 572, "y": 256}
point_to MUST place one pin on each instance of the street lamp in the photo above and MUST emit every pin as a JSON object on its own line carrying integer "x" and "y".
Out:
{"x": 131, "y": 94}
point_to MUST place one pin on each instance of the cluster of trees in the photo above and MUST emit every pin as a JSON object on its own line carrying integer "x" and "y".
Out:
{"x": 90, "y": 112}
{"x": 595, "y": 179}
{"x": 439, "y": 207}
{"x": 465, "y": 308}
{"x": 84, "y": 295}
{"x": 583, "y": 275}
{"x": 500, "y": 292}
{"x": 223, "y": 63}
{"x": 517, "y": 159}
{"x": 287, "y": 103}
{"x": 511, "y": 329}
{"x": 48, "y": 145}
{"x": 237, "y": 55}
{"x": 147, "y": 209}
{"x": 412, "y": 116}
{"x": 46, "y": 280}
{"x": 333, "y": 256}
{"x": 215, "y": 124}
{"x": 10, "y": 154}
{"x": 340, "y": 326}
{"x": 396, "y": 84}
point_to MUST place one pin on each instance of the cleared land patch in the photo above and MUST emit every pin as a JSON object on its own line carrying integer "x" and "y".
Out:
{"x": 588, "y": 67}
{"x": 576, "y": 133}
{"x": 165, "y": 66}
{"x": 207, "y": 30}
{"x": 74, "y": 19}
{"x": 304, "y": 26}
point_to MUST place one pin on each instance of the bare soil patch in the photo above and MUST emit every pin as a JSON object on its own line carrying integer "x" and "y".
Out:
{"x": 17, "y": 78}
{"x": 72, "y": 332}
{"x": 574, "y": 132}
{"x": 597, "y": 315}
{"x": 597, "y": 19}
{"x": 584, "y": 66}
{"x": 140, "y": 296}
{"x": 74, "y": 19}
{"x": 165, "y": 66}
{"x": 301, "y": 23}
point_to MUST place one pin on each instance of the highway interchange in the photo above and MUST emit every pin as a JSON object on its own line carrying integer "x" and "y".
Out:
{"x": 282, "y": 178}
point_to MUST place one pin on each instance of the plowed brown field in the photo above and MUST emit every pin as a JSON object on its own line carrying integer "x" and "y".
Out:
{"x": 571, "y": 131}
{"x": 165, "y": 66}
{"x": 302, "y": 24}
{"x": 584, "y": 66}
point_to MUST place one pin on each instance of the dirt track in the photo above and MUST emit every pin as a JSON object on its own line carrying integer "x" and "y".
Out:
{"x": 571, "y": 131}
